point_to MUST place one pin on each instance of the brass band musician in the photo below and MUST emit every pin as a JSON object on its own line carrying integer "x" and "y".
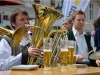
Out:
{"x": 9, "y": 58}
{"x": 84, "y": 41}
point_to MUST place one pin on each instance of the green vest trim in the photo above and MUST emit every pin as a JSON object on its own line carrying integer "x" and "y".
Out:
{"x": 87, "y": 38}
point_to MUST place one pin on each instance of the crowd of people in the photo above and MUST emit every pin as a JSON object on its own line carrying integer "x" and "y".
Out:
{"x": 85, "y": 42}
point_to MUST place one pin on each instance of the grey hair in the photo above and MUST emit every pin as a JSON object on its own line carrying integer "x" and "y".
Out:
{"x": 69, "y": 20}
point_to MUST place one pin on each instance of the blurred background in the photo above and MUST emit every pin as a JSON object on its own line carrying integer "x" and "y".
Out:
{"x": 7, "y": 6}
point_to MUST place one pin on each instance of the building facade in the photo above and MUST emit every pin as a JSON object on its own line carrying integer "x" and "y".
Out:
{"x": 92, "y": 11}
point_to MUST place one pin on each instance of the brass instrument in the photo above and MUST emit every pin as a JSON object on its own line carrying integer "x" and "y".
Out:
{"x": 36, "y": 27}
{"x": 56, "y": 35}
{"x": 59, "y": 34}
{"x": 45, "y": 17}
{"x": 95, "y": 55}
{"x": 16, "y": 36}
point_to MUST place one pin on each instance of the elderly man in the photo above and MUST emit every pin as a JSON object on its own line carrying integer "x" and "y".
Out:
{"x": 67, "y": 23}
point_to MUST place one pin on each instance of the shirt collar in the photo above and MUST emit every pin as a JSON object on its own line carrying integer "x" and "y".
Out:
{"x": 75, "y": 32}
{"x": 24, "y": 41}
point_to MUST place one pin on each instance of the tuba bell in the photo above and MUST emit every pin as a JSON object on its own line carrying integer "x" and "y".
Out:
{"x": 45, "y": 17}
{"x": 15, "y": 35}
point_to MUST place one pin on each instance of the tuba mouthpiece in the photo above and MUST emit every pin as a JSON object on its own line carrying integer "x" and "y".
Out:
{"x": 27, "y": 25}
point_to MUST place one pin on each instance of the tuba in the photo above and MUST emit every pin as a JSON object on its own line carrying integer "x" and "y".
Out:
{"x": 15, "y": 35}
{"x": 45, "y": 17}
{"x": 56, "y": 35}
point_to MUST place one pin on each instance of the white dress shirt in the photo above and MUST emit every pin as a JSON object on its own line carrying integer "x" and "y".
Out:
{"x": 6, "y": 58}
{"x": 81, "y": 43}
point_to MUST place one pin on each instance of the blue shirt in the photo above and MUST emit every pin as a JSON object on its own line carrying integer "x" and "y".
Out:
{"x": 97, "y": 39}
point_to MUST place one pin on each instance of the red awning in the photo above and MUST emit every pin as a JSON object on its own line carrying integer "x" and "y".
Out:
{"x": 9, "y": 2}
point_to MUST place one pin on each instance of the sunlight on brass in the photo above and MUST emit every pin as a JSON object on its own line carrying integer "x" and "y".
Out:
{"x": 95, "y": 56}
{"x": 27, "y": 25}
{"x": 45, "y": 17}
{"x": 17, "y": 36}
{"x": 4, "y": 31}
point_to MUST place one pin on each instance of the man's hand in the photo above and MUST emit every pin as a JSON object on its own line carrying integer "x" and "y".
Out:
{"x": 98, "y": 63}
{"x": 34, "y": 52}
{"x": 79, "y": 58}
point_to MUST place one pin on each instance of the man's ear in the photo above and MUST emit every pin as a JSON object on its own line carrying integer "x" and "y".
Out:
{"x": 13, "y": 24}
{"x": 72, "y": 21}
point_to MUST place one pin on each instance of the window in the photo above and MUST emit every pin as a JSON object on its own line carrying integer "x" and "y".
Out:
{"x": 56, "y": 27}
{"x": 1, "y": 17}
{"x": 37, "y": 1}
{"x": 53, "y": 2}
{"x": 91, "y": 11}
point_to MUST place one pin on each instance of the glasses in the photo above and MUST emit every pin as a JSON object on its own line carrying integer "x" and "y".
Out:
{"x": 47, "y": 48}
{"x": 71, "y": 56}
{"x": 64, "y": 52}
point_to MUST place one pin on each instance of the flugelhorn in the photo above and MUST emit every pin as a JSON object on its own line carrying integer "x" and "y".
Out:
{"x": 15, "y": 35}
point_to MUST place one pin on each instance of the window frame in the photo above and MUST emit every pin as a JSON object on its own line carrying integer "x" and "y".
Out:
{"x": 92, "y": 13}
{"x": 1, "y": 17}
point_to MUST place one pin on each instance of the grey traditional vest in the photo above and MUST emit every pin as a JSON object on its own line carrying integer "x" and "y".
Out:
{"x": 18, "y": 49}
{"x": 15, "y": 50}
